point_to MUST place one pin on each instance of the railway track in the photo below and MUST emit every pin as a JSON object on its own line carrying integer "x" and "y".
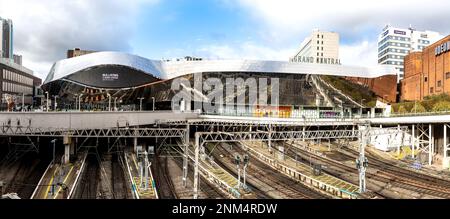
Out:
{"x": 118, "y": 181}
{"x": 383, "y": 173}
{"x": 270, "y": 178}
{"x": 27, "y": 176}
{"x": 210, "y": 191}
{"x": 163, "y": 181}
{"x": 87, "y": 189}
{"x": 423, "y": 183}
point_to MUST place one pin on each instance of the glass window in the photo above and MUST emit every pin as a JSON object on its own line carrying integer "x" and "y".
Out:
{"x": 439, "y": 83}
{"x": 425, "y": 79}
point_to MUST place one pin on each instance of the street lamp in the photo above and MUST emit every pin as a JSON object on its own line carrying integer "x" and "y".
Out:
{"x": 140, "y": 103}
{"x": 55, "y": 102}
{"x": 79, "y": 102}
{"x": 46, "y": 92}
{"x": 153, "y": 100}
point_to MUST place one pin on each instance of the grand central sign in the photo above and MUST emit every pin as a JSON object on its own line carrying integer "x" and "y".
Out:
{"x": 318, "y": 60}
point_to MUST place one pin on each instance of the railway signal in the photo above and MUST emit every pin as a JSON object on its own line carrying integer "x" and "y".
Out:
{"x": 246, "y": 160}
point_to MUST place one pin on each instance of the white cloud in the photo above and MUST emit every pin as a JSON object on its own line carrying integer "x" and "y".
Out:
{"x": 363, "y": 53}
{"x": 45, "y": 29}
{"x": 245, "y": 50}
{"x": 284, "y": 23}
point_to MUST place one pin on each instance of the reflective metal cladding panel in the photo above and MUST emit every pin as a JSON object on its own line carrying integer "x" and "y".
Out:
{"x": 95, "y": 69}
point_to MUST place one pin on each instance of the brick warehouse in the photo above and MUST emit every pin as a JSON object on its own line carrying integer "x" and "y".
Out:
{"x": 427, "y": 72}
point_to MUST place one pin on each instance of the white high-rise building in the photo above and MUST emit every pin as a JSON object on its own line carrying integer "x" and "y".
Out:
{"x": 395, "y": 43}
{"x": 320, "y": 47}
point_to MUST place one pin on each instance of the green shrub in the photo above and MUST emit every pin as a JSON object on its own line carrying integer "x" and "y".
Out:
{"x": 442, "y": 106}
{"x": 402, "y": 109}
{"x": 418, "y": 108}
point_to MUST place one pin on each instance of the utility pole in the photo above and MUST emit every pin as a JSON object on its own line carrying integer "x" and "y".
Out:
{"x": 185, "y": 157}
{"x": 362, "y": 162}
{"x": 196, "y": 151}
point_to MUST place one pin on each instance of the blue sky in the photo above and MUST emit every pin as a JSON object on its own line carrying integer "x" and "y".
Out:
{"x": 179, "y": 27}
{"x": 216, "y": 29}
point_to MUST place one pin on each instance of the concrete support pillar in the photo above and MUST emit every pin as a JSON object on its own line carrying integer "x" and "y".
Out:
{"x": 413, "y": 140}
{"x": 72, "y": 147}
{"x": 270, "y": 138}
{"x": 353, "y": 130}
{"x": 68, "y": 148}
{"x": 281, "y": 154}
{"x": 445, "y": 162}
{"x": 398, "y": 145}
{"x": 430, "y": 145}
{"x": 66, "y": 153}
{"x": 303, "y": 134}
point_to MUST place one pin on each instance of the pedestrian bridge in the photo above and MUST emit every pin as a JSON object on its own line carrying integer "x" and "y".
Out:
{"x": 90, "y": 120}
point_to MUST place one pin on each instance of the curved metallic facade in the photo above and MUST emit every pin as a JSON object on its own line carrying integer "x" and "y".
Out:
{"x": 153, "y": 70}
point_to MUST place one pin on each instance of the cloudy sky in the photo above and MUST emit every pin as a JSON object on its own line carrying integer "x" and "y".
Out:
{"x": 224, "y": 29}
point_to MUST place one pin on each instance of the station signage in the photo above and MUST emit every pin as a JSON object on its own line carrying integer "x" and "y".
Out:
{"x": 110, "y": 77}
{"x": 443, "y": 48}
{"x": 400, "y": 32}
{"x": 318, "y": 60}
{"x": 304, "y": 59}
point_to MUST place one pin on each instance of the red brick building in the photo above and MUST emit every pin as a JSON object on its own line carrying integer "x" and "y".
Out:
{"x": 427, "y": 72}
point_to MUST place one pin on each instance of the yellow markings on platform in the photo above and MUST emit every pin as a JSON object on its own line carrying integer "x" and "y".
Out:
{"x": 148, "y": 192}
{"x": 64, "y": 181}
{"x": 50, "y": 183}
